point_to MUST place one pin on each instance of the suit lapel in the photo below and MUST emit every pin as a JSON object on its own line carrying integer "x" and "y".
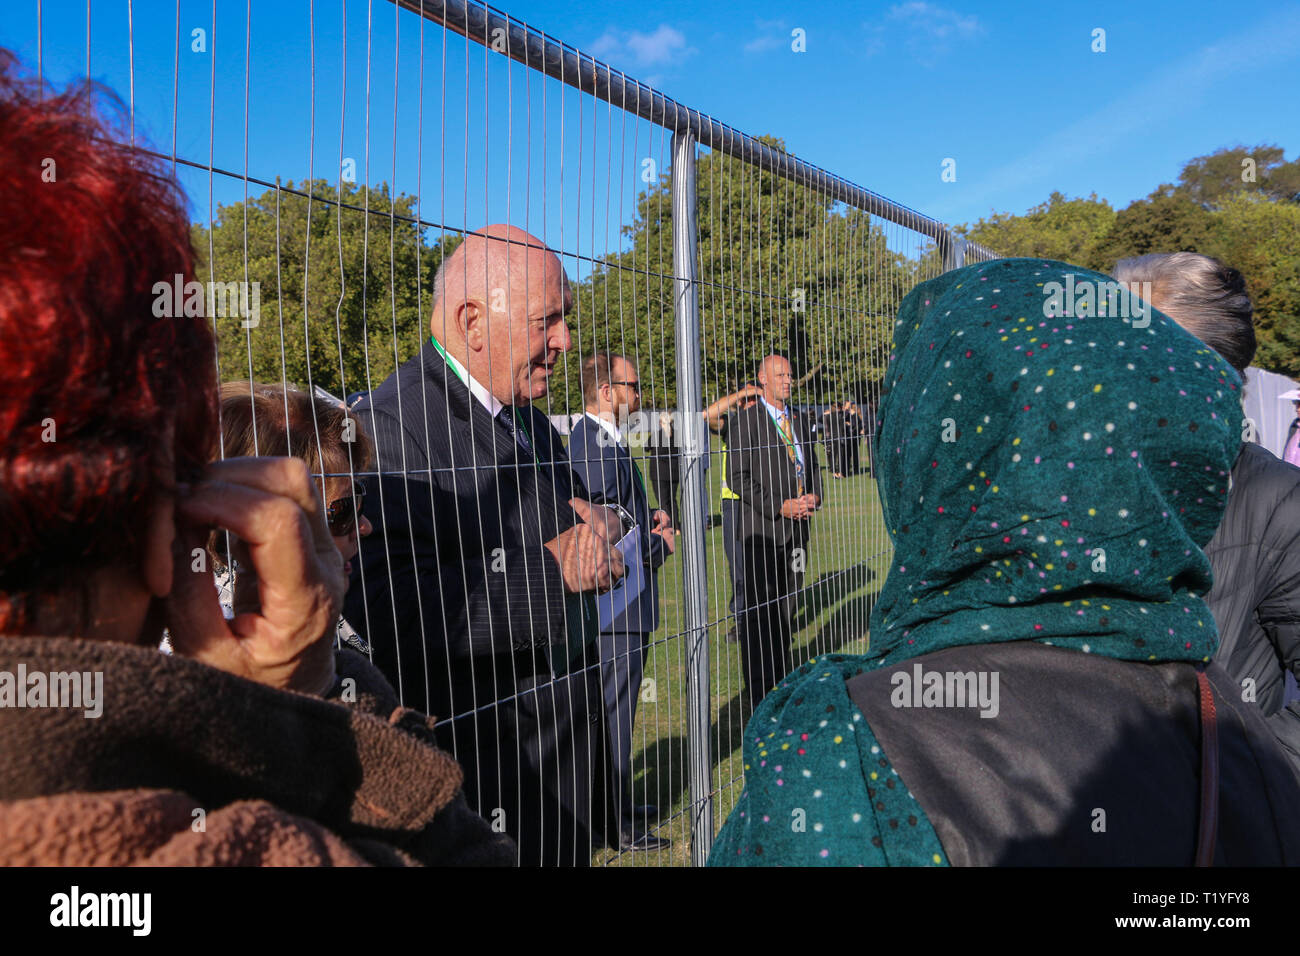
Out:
{"x": 489, "y": 439}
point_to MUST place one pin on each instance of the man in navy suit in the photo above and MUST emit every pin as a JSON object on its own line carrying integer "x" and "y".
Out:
{"x": 477, "y": 589}
{"x": 630, "y": 611}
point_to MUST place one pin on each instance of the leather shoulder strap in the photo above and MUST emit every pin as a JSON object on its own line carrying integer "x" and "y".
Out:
{"x": 1209, "y": 822}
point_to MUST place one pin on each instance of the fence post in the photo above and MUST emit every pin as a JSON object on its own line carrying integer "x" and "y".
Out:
{"x": 694, "y": 453}
{"x": 955, "y": 254}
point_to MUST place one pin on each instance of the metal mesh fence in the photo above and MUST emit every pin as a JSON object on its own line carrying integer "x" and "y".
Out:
{"x": 690, "y": 249}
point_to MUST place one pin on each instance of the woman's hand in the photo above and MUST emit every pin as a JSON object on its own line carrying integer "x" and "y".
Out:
{"x": 282, "y": 633}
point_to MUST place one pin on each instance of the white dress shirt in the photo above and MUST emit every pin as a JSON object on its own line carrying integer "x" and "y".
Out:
{"x": 609, "y": 427}
{"x": 476, "y": 388}
{"x": 778, "y": 414}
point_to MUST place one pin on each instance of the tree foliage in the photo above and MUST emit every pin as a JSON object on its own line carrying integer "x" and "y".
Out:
{"x": 1211, "y": 180}
{"x": 341, "y": 302}
{"x": 1061, "y": 228}
{"x": 782, "y": 269}
{"x": 1166, "y": 221}
{"x": 1261, "y": 239}
{"x": 1253, "y": 226}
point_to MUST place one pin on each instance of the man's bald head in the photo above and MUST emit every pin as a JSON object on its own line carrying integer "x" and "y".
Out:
{"x": 776, "y": 379}
{"x": 499, "y": 304}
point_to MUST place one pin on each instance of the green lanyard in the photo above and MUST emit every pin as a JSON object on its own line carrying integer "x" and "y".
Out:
{"x": 455, "y": 367}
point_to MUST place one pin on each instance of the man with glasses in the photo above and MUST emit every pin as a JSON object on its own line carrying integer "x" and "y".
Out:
{"x": 630, "y": 611}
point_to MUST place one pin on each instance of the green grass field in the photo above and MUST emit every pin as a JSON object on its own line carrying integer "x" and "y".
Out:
{"x": 847, "y": 561}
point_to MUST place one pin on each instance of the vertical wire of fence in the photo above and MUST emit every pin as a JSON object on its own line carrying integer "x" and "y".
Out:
{"x": 691, "y": 251}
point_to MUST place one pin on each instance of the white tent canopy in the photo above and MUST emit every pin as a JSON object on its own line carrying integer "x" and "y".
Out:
{"x": 1264, "y": 405}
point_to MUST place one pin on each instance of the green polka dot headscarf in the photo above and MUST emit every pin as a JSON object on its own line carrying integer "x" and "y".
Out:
{"x": 1044, "y": 476}
{"x": 1049, "y": 476}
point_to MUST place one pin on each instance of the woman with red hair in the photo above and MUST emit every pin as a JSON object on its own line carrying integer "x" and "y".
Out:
{"x": 111, "y": 752}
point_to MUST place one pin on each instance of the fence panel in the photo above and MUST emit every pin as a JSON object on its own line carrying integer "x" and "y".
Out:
{"x": 691, "y": 249}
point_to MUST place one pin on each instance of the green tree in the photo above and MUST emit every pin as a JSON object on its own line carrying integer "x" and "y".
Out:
{"x": 782, "y": 269}
{"x": 1260, "y": 238}
{"x": 1166, "y": 221}
{"x": 1211, "y": 180}
{"x": 1064, "y": 229}
{"x": 341, "y": 302}
{"x": 1251, "y": 226}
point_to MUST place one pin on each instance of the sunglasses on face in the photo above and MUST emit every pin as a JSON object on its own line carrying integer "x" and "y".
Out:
{"x": 345, "y": 514}
{"x": 635, "y": 386}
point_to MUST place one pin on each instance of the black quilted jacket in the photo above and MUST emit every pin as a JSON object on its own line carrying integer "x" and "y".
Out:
{"x": 1256, "y": 595}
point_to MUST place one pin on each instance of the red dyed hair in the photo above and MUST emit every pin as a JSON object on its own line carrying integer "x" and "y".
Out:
{"x": 87, "y": 226}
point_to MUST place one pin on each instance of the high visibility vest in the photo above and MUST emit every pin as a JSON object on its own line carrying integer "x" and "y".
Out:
{"x": 727, "y": 493}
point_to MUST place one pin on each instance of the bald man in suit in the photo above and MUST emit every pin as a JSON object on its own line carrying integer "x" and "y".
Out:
{"x": 772, "y": 467}
{"x": 477, "y": 588}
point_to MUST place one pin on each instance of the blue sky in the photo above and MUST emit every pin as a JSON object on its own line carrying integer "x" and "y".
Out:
{"x": 882, "y": 95}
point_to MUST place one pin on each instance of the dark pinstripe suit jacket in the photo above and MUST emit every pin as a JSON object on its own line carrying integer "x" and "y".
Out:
{"x": 457, "y": 552}
{"x": 463, "y": 606}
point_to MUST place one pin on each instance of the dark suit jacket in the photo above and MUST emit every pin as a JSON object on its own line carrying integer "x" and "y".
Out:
{"x": 457, "y": 551}
{"x": 759, "y": 470}
{"x": 605, "y": 469}
{"x": 464, "y": 608}
{"x": 665, "y": 462}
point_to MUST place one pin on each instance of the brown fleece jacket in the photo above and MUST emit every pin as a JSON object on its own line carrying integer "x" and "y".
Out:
{"x": 281, "y": 779}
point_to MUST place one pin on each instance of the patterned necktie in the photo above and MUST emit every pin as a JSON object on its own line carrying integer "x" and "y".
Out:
{"x": 788, "y": 432}
{"x": 507, "y": 417}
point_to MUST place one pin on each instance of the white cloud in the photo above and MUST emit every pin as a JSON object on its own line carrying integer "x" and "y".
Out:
{"x": 771, "y": 34}
{"x": 636, "y": 49}
{"x": 925, "y": 30}
{"x": 934, "y": 21}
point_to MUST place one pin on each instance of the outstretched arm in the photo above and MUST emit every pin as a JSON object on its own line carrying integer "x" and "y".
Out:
{"x": 716, "y": 413}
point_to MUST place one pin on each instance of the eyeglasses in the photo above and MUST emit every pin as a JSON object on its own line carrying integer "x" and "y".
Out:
{"x": 345, "y": 514}
{"x": 635, "y": 386}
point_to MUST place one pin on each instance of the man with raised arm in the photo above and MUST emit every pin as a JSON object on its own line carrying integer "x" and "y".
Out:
{"x": 720, "y": 416}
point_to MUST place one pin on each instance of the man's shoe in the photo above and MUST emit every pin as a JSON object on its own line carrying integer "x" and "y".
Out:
{"x": 637, "y": 840}
{"x": 646, "y": 812}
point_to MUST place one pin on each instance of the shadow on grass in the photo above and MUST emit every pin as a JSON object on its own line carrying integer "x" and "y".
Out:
{"x": 845, "y": 631}
{"x": 827, "y": 591}
{"x": 666, "y": 780}
{"x": 660, "y": 769}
